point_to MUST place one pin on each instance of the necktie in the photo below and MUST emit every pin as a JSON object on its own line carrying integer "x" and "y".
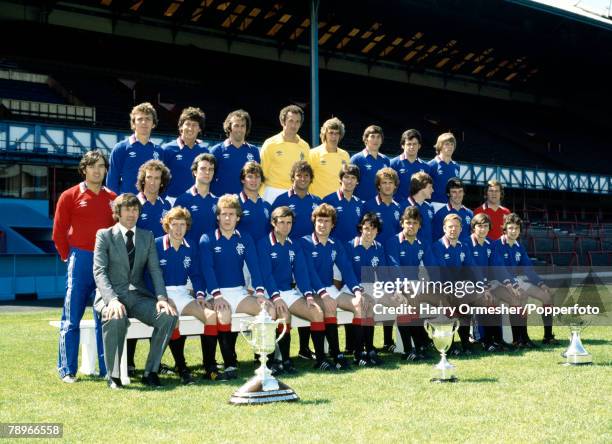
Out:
{"x": 130, "y": 247}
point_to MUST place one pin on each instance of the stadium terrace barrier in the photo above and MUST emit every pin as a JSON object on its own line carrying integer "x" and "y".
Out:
{"x": 50, "y": 110}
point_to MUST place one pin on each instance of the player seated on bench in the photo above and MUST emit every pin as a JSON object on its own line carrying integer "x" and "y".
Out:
{"x": 178, "y": 260}
{"x": 322, "y": 252}
{"x": 512, "y": 264}
{"x": 223, "y": 253}
{"x": 282, "y": 262}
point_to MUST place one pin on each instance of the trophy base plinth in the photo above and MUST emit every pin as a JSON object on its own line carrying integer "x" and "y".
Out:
{"x": 252, "y": 393}
{"x": 582, "y": 359}
{"x": 445, "y": 380}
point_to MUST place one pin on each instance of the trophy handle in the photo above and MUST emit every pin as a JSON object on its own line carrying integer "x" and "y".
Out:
{"x": 456, "y": 324}
{"x": 246, "y": 325}
{"x": 284, "y": 329}
{"x": 428, "y": 327}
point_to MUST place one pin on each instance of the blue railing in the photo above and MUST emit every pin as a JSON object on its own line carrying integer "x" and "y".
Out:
{"x": 66, "y": 141}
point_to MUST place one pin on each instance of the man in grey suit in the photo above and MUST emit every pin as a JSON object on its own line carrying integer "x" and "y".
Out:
{"x": 121, "y": 255}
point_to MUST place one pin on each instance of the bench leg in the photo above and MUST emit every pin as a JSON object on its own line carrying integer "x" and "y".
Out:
{"x": 89, "y": 351}
{"x": 125, "y": 379}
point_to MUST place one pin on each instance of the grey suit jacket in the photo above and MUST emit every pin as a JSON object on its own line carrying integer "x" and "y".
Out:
{"x": 111, "y": 266}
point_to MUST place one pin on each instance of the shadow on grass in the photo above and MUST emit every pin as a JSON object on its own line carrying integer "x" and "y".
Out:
{"x": 478, "y": 380}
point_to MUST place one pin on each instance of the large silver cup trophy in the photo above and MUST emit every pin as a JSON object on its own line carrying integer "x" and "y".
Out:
{"x": 441, "y": 331}
{"x": 576, "y": 353}
{"x": 263, "y": 387}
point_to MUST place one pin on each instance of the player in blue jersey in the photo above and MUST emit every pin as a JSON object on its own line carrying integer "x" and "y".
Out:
{"x": 406, "y": 250}
{"x": 388, "y": 210}
{"x": 233, "y": 153}
{"x": 442, "y": 168}
{"x": 180, "y": 153}
{"x": 369, "y": 160}
{"x": 323, "y": 252}
{"x": 408, "y": 163}
{"x": 178, "y": 260}
{"x": 368, "y": 258}
{"x": 512, "y": 265}
{"x": 481, "y": 249}
{"x": 282, "y": 263}
{"x": 255, "y": 218}
{"x": 127, "y": 156}
{"x": 456, "y": 266}
{"x": 349, "y": 207}
{"x": 455, "y": 192}
{"x": 198, "y": 199}
{"x": 153, "y": 178}
{"x": 421, "y": 187}
{"x": 303, "y": 204}
{"x": 223, "y": 254}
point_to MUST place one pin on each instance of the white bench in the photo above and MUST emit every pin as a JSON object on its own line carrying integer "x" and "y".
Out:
{"x": 188, "y": 326}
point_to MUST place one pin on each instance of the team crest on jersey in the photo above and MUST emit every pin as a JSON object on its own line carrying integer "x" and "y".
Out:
{"x": 266, "y": 213}
{"x": 246, "y": 212}
{"x": 396, "y": 215}
{"x": 132, "y": 154}
{"x": 217, "y": 249}
{"x": 462, "y": 256}
{"x": 333, "y": 255}
{"x": 144, "y": 216}
{"x": 155, "y": 155}
{"x": 250, "y": 157}
{"x": 83, "y": 203}
{"x": 291, "y": 256}
{"x": 301, "y": 156}
{"x": 179, "y": 157}
{"x": 358, "y": 211}
{"x": 357, "y": 258}
{"x": 375, "y": 261}
{"x": 164, "y": 212}
{"x": 193, "y": 208}
{"x": 420, "y": 254}
{"x": 440, "y": 171}
{"x": 273, "y": 255}
{"x": 214, "y": 208}
{"x": 488, "y": 252}
{"x": 314, "y": 205}
{"x": 162, "y": 262}
{"x": 430, "y": 213}
{"x": 468, "y": 219}
{"x": 517, "y": 256}
{"x": 187, "y": 262}
{"x": 240, "y": 248}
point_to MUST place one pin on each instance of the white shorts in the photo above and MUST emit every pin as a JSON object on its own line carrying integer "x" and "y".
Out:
{"x": 334, "y": 292}
{"x": 338, "y": 275}
{"x": 523, "y": 283}
{"x": 234, "y": 295}
{"x": 271, "y": 193}
{"x": 180, "y": 296}
{"x": 290, "y": 296}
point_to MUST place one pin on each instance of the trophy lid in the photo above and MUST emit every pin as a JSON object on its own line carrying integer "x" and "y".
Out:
{"x": 264, "y": 317}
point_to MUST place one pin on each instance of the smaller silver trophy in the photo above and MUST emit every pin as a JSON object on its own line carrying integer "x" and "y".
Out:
{"x": 576, "y": 353}
{"x": 263, "y": 387}
{"x": 441, "y": 331}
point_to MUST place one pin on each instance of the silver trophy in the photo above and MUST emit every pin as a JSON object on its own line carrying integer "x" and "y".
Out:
{"x": 441, "y": 331}
{"x": 263, "y": 387}
{"x": 575, "y": 353}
